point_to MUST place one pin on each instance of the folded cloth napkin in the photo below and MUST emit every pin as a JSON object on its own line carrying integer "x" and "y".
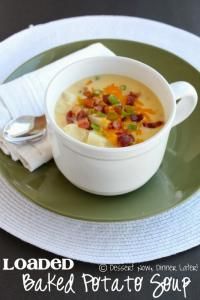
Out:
{"x": 25, "y": 96}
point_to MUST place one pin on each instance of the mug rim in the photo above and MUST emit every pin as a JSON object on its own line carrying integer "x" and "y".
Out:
{"x": 110, "y": 150}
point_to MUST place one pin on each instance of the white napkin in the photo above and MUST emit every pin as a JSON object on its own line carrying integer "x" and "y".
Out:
{"x": 25, "y": 96}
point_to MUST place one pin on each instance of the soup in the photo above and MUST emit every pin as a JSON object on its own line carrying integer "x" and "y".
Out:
{"x": 109, "y": 111}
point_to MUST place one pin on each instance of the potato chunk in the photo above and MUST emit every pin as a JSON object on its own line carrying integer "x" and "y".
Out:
{"x": 76, "y": 132}
{"x": 97, "y": 140}
{"x": 103, "y": 122}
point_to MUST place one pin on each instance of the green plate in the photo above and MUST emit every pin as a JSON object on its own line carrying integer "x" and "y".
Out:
{"x": 177, "y": 179}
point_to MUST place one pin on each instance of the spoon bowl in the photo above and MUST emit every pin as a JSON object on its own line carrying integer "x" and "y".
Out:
{"x": 25, "y": 128}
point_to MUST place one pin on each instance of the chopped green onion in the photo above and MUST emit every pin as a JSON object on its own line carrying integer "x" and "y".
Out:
{"x": 129, "y": 109}
{"x": 123, "y": 87}
{"x": 113, "y": 100}
{"x": 132, "y": 126}
{"x": 100, "y": 114}
{"x": 126, "y": 114}
{"x": 96, "y": 127}
{"x": 112, "y": 116}
{"x": 97, "y": 77}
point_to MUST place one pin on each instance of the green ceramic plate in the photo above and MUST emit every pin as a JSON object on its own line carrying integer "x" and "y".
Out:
{"x": 177, "y": 179}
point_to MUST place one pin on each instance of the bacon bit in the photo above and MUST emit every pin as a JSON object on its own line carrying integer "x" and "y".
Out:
{"x": 120, "y": 132}
{"x": 146, "y": 117}
{"x": 89, "y": 103}
{"x": 105, "y": 99}
{"x": 98, "y": 101}
{"x": 84, "y": 123}
{"x": 70, "y": 117}
{"x": 125, "y": 140}
{"x": 118, "y": 109}
{"x": 81, "y": 115}
{"x": 88, "y": 82}
{"x": 99, "y": 108}
{"x": 87, "y": 92}
{"x": 136, "y": 95}
{"x": 106, "y": 109}
{"x": 137, "y": 118}
{"x": 153, "y": 124}
{"x": 115, "y": 125}
{"x": 131, "y": 98}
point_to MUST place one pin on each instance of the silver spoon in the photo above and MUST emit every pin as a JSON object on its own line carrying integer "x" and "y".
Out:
{"x": 25, "y": 128}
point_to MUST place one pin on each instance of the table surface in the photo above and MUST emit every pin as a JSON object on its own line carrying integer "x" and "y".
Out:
{"x": 17, "y": 15}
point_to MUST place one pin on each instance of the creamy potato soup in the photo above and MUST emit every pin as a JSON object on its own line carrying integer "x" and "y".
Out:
{"x": 109, "y": 111}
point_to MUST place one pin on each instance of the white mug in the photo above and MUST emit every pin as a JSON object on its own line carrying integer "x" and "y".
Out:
{"x": 114, "y": 171}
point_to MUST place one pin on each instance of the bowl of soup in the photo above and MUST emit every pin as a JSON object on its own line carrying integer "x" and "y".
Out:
{"x": 109, "y": 119}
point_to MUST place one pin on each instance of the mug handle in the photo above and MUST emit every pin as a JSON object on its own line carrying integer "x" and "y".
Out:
{"x": 186, "y": 96}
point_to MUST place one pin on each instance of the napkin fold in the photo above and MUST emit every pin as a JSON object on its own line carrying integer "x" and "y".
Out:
{"x": 25, "y": 96}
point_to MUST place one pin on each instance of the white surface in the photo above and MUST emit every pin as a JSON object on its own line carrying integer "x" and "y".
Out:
{"x": 135, "y": 241}
{"x": 26, "y": 95}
